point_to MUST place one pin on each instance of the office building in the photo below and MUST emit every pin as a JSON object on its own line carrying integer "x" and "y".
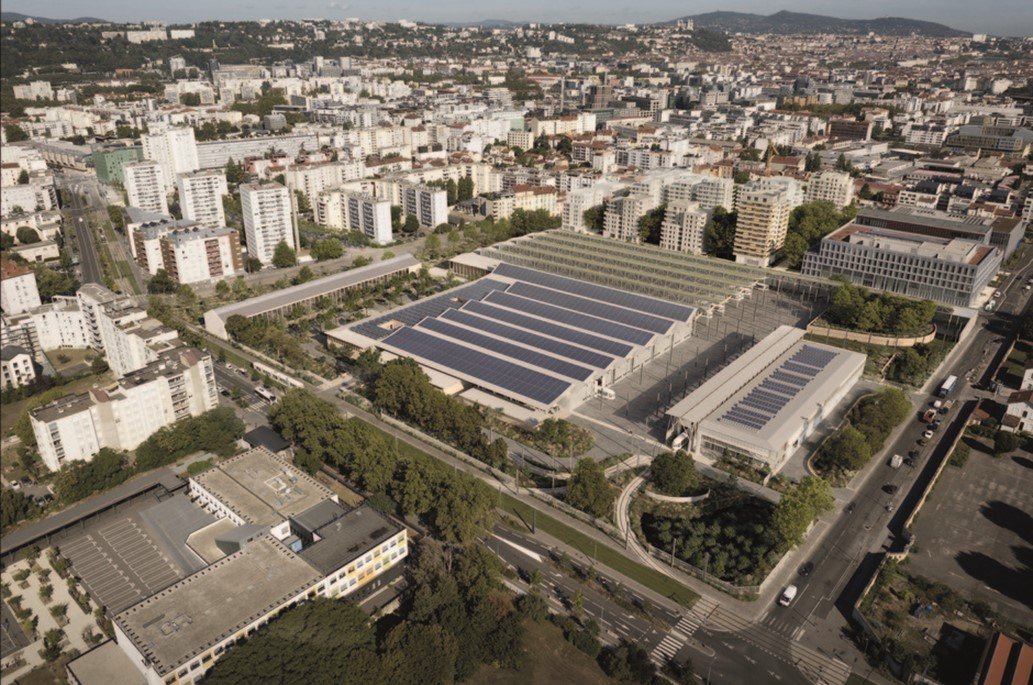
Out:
{"x": 429, "y": 205}
{"x": 18, "y": 291}
{"x": 145, "y": 186}
{"x": 683, "y": 227}
{"x": 760, "y": 229}
{"x": 174, "y": 149}
{"x": 178, "y": 384}
{"x": 836, "y": 187}
{"x": 109, "y": 160}
{"x": 268, "y": 219}
{"x": 200, "y": 197}
{"x": 1010, "y": 140}
{"x": 1004, "y": 233}
{"x": 766, "y": 402}
{"x": 953, "y": 271}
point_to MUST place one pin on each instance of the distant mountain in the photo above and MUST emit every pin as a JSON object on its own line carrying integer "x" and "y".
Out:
{"x": 795, "y": 22}
{"x": 15, "y": 16}
{"x": 489, "y": 23}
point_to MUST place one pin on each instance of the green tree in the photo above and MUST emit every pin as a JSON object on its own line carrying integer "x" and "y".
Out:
{"x": 305, "y": 274}
{"x": 161, "y": 283}
{"x": 411, "y": 224}
{"x": 234, "y": 173}
{"x": 284, "y": 255}
{"x": 799, "y": 506}
{"x": 304, "y": 206}
{"x": 52, "y": 644}
{"x": 588, "y": 489}
{"x": 649, "y": 225}
{"x": 14, "y": 508}
{"x": 594, "y": 217}
{"x": 27, "y": 235}
{"x": 99, "y": 365}
{"x": 1005, "y": 442}
{"x": 23, "y": 178}
{"x": 813, "y": 162}
{"x": 674, "y": 473}
{"x": 15, "y": 133}
{"x": 719, "y": 234}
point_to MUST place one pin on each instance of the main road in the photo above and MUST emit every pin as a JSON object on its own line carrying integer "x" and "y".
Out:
{"x": 77, "y": 213}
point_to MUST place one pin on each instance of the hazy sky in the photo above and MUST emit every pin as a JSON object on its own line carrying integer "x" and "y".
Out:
{"x": 1006, "y": 17}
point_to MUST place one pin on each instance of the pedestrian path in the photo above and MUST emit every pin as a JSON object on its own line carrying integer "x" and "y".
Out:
{"x": 679, "y": 635}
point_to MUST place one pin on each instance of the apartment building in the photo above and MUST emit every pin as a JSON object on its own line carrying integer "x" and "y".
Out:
{"x": 709, "y": 192}
{"x": 123, "y": 331}
{"x": 950, "y": 270}
{"x": 174, "y": 149}
{"x": 110, "y": 159}
{"x": 178, "y": 384}
{"x": 429, "y": 205}
{"x": 145, "y": 186}
{"x": 268, "y": 219}
{"x": 760, "y": 229}
{"x": 836, "y": 187}
{"x": 92, "y": 298}
{"x": 200, "y": 197}
{"x": 849, "y": 129}
{"x": 18, "y": 291}
{"x": 579, "y": 201}
{"x": 201, "y": 253}
{"x": 622, "y": 214}
{"x": 683, "y": 227}
{"x": 17, "y": 367}
{"x": 523, "y": 197}
{"x": 311, "y": 179}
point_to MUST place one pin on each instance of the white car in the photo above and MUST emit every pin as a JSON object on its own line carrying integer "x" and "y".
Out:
{"x": 928, "y": 435}
{"x": 788, "y": 595}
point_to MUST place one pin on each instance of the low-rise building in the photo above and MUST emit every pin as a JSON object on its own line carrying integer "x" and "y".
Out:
{"x": 17, "y": 368}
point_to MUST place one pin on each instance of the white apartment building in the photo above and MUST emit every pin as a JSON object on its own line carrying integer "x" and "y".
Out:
{"x": 131, "y": 339}
{"x": 580, "y": 200}
{"x": 523, "y": 197}
{"x": 683, "y": 227}
{"x": 428, "y": 205}
{"x": 17, "y": 367}
{"x": 174, "y": 149}
{"x": 196, "y": 254}
{"x": 268, "y": 219}
{"x": 179, "y": 384}
{"x": 760, "y": 229}
{"x": 709, "y": 192}
{"x": 836, "y": 187}
{"x": 314, "y": 178}
{"x": 622, "y": 214}
{"x": 368, "y": 215}
{"x": 146, "y": 187}
{"x": 18, "y": 291}
{"x": 200, "y": 197}
{"x": 92, "y": 298}
{"x": 792, "y": 190}
{"x": 58, "y": 324}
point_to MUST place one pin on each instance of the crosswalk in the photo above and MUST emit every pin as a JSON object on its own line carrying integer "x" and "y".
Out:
{"x": 683, "y": 630}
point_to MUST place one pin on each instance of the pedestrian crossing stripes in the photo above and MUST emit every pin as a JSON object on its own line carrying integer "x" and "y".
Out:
{"x": 683, "y": 630}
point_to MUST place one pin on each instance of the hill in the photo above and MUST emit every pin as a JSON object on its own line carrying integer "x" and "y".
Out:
{"x": 796, "y": 22}
{"x": 16, "y": 16}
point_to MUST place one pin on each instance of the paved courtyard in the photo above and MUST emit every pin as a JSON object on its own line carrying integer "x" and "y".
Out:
{"x": 976, "y": 533}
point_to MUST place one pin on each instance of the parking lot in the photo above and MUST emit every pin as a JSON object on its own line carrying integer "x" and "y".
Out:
{"x": 976, "y": 533}
{"x": 643, "y": 397}
{"x": 119, "y": 563}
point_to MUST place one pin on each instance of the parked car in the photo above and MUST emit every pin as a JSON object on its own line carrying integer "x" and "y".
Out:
{"x": 928, "y": 435}
{"x": 806, "y": 569}
{"x": 788, "y": 595}
{"x": 890, "y": 488}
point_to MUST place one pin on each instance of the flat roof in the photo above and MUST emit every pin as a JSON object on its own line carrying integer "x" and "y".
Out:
{"x": 105, "y": 664}
{"x": 348, "y": 538}
{"x": 187, "y": 618}
{"x": 761, "y": 398}
{"x": 262, "y": 488}
{"x": 321, "y": 286}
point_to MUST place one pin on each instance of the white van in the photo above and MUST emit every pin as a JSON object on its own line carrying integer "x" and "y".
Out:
{"x": 787, "y": 595}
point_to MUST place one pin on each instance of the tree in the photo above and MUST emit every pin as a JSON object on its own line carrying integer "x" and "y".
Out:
{"x": 327, "y": 248}
{"x": 254, "y": 265}
{"x": 594, "y": 217}
{"x": 99, "y": 365}
{"x": 741, "y": 177}
{"x": 813, "y": 162}
{"x": 674, "y": 473}
{"x": 588, "y": 489}
{"x": 411, "y": 224}
{"x": 15, "y": 133}
{"x": 234, "y": 173}
{"x": 432, "y": 245}
{"x": 304, "y": 207}
{"x": 808, "y": 223}
{"x": 6, "y": 241}
{"x": 161, "y": 283}
{"x": 1005, "y": 442}
{"x": 27, "y": 235}
{"x": 649, "y": 225}
{"x": 396, "y": 217}
{"x": 284, "y": 255}
{"x": 23, "y": 177}
{"x": 14, "y": 507}
{"x": 52, "y": 644}
{"x": 627, "y": 662}
{"x": 305, "y": 274}
{"x": 719, "y": 234}
{"x": 801, "y": 505}
{"x": 222, "y": 289}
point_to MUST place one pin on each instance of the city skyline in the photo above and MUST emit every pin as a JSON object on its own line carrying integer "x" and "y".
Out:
{"x": 1002, "y": 17}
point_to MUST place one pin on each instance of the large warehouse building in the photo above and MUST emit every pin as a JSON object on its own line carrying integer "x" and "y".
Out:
{"x": 533, "y": 340}
{"x": 763, "y": 405}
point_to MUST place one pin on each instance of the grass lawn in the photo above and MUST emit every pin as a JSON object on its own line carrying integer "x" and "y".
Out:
{"x": 855, "y": 679}
{"x": 75, "y": 356}
{"x": 548, "y": 659}
{"x": 605, "y": 555}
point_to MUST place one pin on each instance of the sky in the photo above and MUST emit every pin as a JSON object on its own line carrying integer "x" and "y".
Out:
{"x": 1001, "y": 17}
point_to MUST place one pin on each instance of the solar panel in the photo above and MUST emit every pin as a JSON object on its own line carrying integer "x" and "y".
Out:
{"x": 579, "y": 354}
{"x": 549, "y": 328}
{"x": 567, "y": 317}
{"x": 490, "y": 370}
{"x": 773, "y": 386}
{"x": 789, "y": 378}
{"x": 594, "y": 307}
{"x": 432, "y": 306}
{"x": 507, "y": 349}
{"x": 808, "y": 371}
{"x": 640, "y": 303}
{"x": 813, "y": 356}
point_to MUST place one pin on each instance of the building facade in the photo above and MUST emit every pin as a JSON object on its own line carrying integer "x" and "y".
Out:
{"x": 200, "y": 197}
{"x": 761, "y": 226}
{"x": 268, "y": 219}
{"x": 145, "y": 186}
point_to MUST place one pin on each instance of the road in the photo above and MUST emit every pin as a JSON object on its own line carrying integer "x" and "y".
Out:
{"x": 848, "y": 553}
{"x": 78, "y": 212}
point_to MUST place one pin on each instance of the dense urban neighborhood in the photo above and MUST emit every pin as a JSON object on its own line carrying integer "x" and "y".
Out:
{"x": 341, "y": 351}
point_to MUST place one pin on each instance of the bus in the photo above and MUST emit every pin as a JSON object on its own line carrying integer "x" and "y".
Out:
{"x": 265, "y": 393}
{"x": 948, "y": 386}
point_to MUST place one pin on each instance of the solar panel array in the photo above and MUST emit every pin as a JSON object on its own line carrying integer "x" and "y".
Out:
{"x": 621, "y": 298}
{"x": 432, "y": 306}
{"x": 761, "y": 404}
{"x": 595, "y": 308}
{"x": 567, "y": 317}
{"x": 484, "y": 367}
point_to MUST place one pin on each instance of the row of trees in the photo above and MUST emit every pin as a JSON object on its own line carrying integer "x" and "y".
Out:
{"x": 457, "y": 506}
{"x": 808, "y": 223}
{"x": 271, "y": 337}
{"x": 216, "y": 431}
{"x": 456, "y": 616}
{"x": 401, "y": 389}
{"x": 859, "y": 309}
{"x": 868, "y": 425}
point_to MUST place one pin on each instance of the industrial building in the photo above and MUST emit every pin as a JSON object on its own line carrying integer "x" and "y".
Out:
{"x": 279, "y": 302}
{"x": 763, "y": 405}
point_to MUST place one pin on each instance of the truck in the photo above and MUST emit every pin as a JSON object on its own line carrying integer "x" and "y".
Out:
{"x": 928, "y": 416}
{"x": 948, "y": 386}
{"x": 896, "y": 461}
